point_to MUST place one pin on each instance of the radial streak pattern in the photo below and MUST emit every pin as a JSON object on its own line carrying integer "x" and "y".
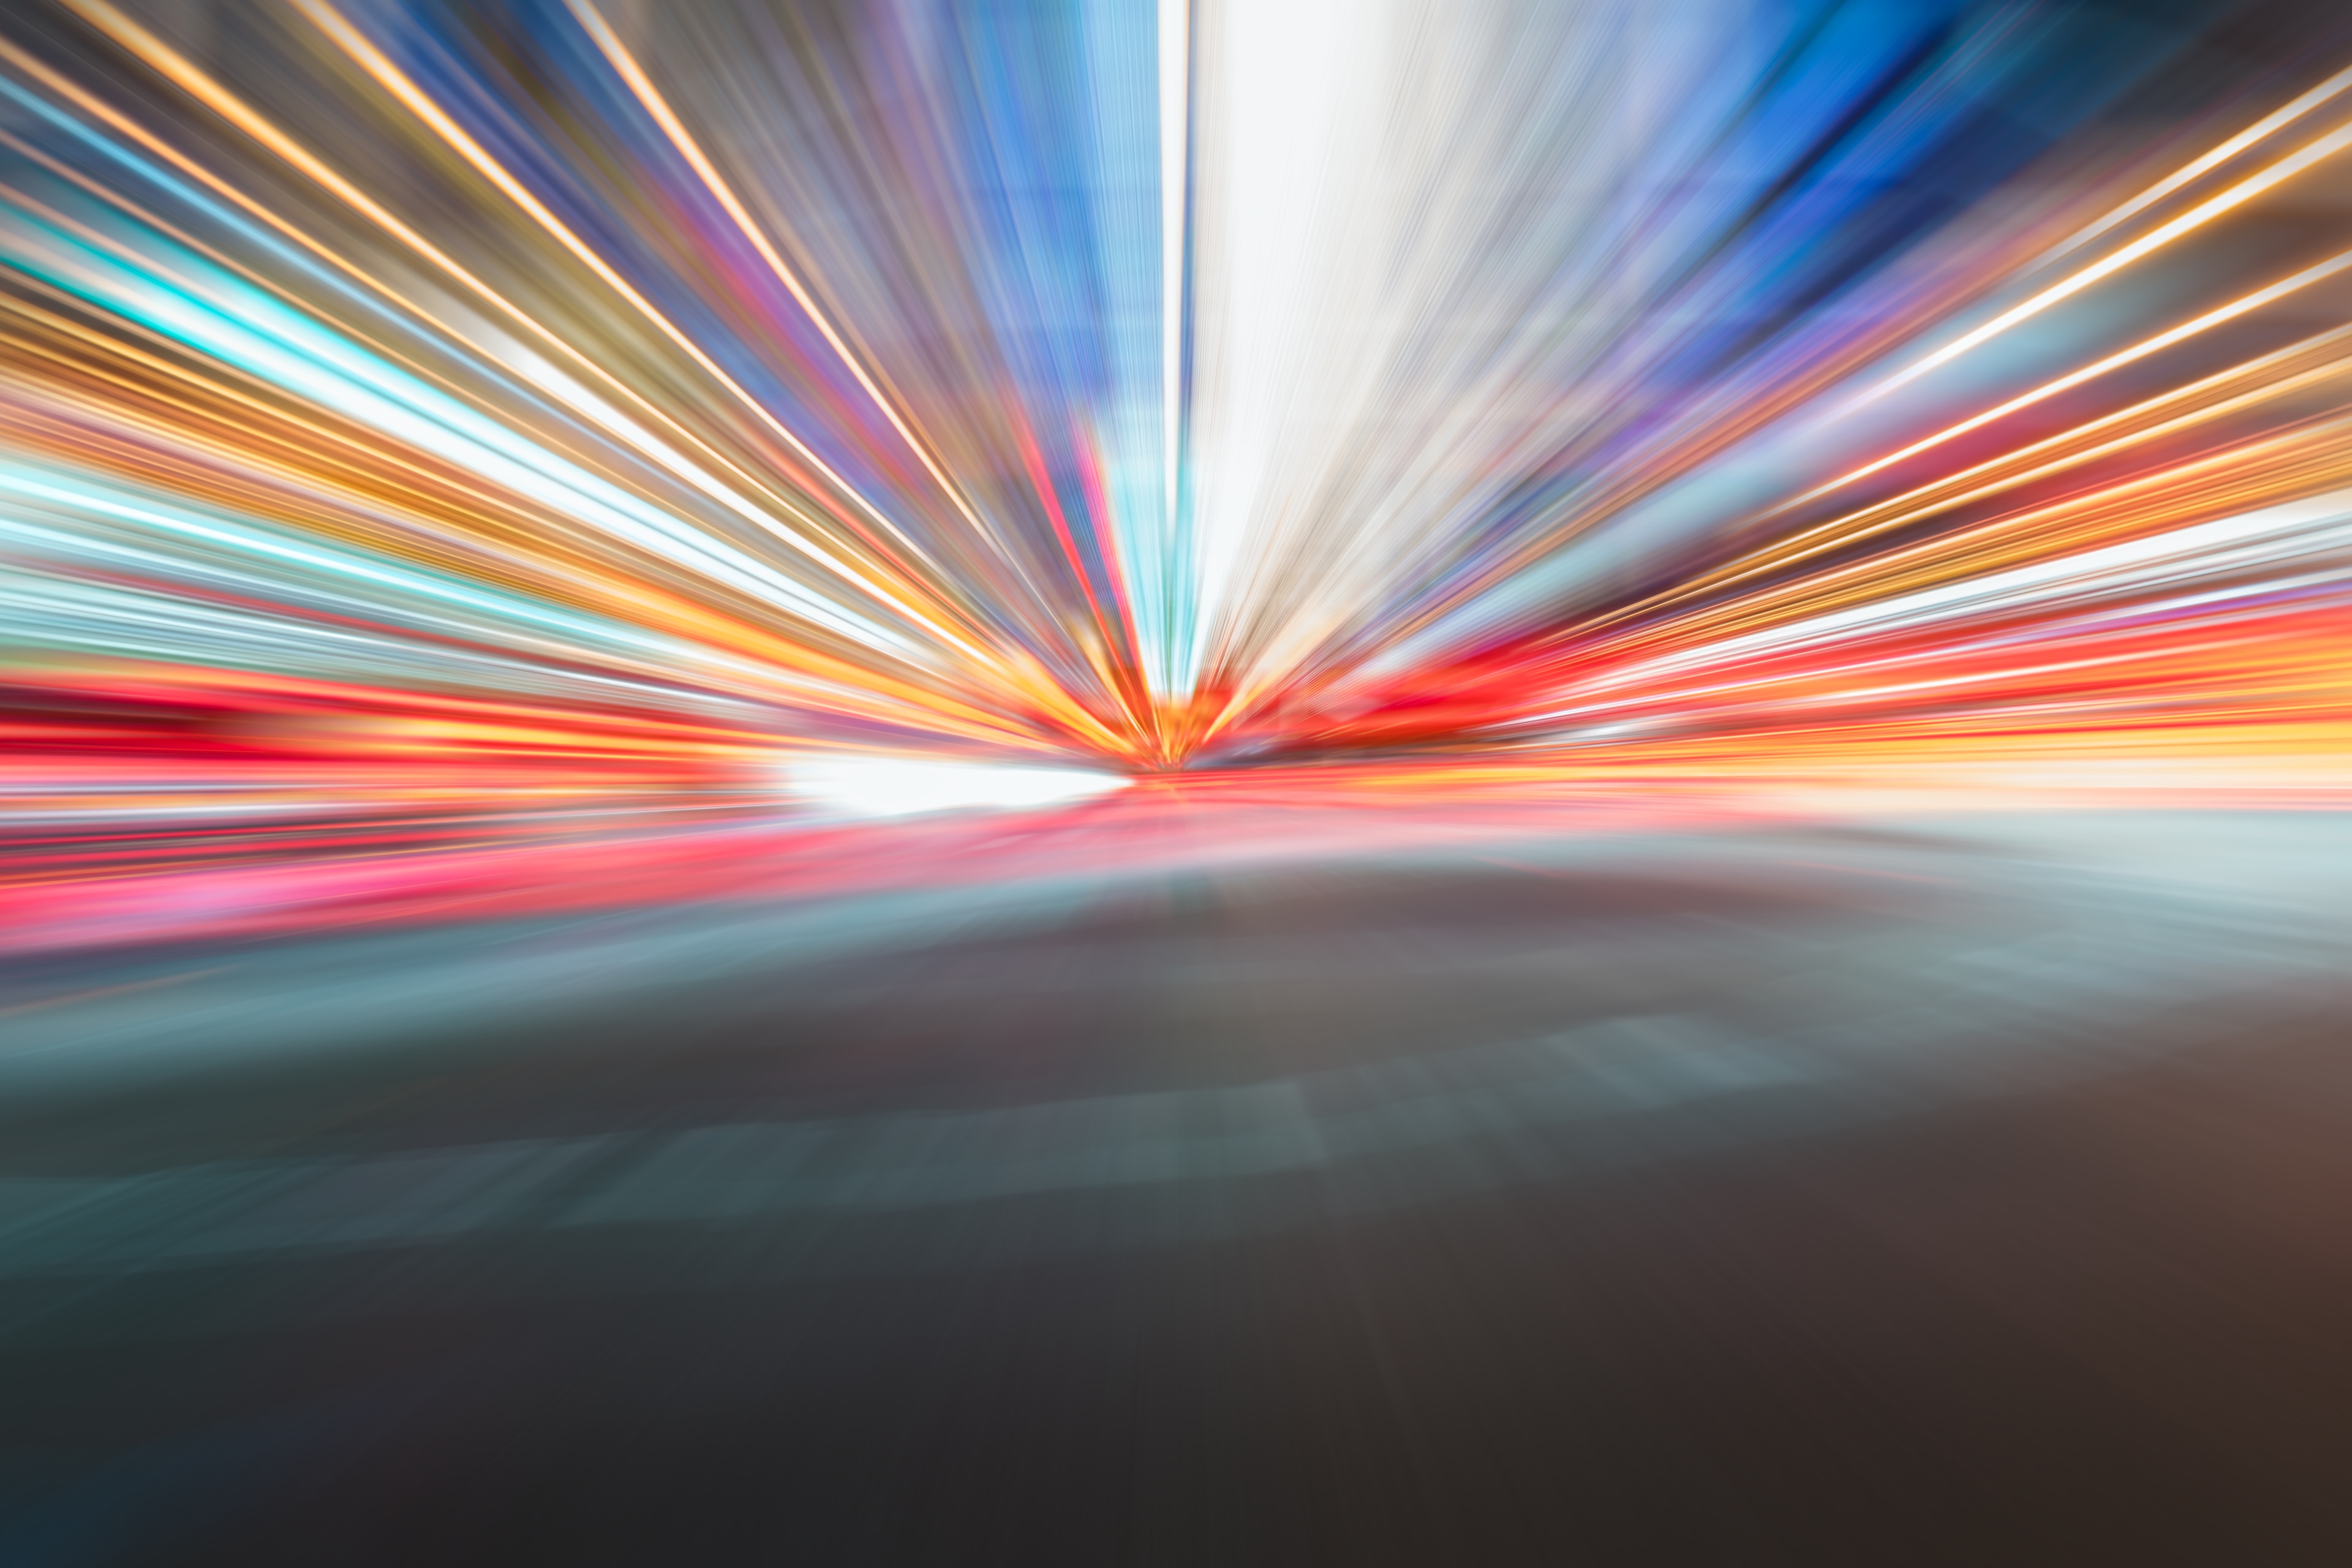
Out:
{"x": 437, "y": 434}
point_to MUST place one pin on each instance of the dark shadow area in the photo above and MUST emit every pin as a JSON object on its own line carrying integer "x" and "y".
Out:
{"x": 1440, "y": 1309}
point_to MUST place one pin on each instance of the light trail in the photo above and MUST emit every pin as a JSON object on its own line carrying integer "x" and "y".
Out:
{"x": 564, "y": 422}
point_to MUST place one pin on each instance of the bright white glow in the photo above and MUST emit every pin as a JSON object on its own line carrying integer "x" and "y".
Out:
{"x": 905, "y": 786}
{"x": 1379, "y": 339}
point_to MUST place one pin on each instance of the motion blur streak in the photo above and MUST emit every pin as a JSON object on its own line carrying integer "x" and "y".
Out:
{"x": 667, "y": 650}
